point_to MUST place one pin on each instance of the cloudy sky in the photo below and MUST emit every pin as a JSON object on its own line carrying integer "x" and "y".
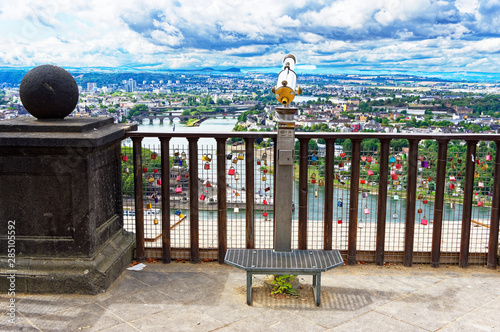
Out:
{"x": 417, "y": 35}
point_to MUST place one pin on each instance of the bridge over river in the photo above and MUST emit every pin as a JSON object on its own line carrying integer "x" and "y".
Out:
{"x": 172, "y": 112}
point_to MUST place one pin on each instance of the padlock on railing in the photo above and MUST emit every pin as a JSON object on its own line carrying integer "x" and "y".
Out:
{"x": 423, "y": 221}
{"x": 207, "y": 166}
{"x": 230, "y": 171}
{"x": 340, "y": 203}
{"x": 366, "y": 210}
{"x": 240, "y": 156}
{"x": 178, "y": 189}
{"x": 339, "y": 221}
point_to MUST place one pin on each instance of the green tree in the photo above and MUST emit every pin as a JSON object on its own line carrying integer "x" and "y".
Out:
{"x": 137, "y": 110}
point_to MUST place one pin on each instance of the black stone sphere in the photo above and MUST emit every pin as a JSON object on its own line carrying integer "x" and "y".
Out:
{"x": 48, "y": 92}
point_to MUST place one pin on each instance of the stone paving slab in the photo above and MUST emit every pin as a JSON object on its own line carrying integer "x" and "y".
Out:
{"x": 212, "y": 297}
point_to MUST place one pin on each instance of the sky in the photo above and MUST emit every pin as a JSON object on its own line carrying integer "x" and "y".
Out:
{"x": 407, "y": 35}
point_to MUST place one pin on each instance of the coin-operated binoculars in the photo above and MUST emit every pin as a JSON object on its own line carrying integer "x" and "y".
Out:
{"x": 285, "y": 92}
{"x": 286, "y": 89}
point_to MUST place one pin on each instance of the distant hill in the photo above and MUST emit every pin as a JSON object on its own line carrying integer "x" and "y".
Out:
{"x": 13, "y": 76}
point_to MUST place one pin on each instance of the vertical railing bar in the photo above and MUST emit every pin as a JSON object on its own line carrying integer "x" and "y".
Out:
{"x": 303, "y": 159}
{"x": 165, "y": 199}
{"x": 275, "y": 162}
{"x": 437, "y": 227}
{"x": 353, "y": 201}
{"x": 221, "y": 199}
{"x": 250, "y": 191}
{"x": 328, "y": 214}
{"x": 467, "y": 203}
{"x": 193, "y": 200}
{"x": 139, "y": 203}
{"x": 382, "y": 201}
{"x": 411, "y": 192}
{"x": 493, "y": 241}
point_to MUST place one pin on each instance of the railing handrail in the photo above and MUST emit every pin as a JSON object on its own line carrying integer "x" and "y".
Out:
{"x": 324, "y": 135}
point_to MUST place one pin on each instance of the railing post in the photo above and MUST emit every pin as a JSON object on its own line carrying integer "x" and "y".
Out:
{"x": 493, "y": 242}
{"x": 382, "y": 200}
{"x": 165, "y": 199}
{"x": 353, "y": 201}
{"x": 139, "y": 203}
{"x": 221, "y": 199}
{"x": 303, "y": 159}
{"x": 275, "y": 162}
{"x": 467, "y": 203}
{"x": 193, "y": 200}
{"x": 249, "y": 190}
{"x": 439, "y": 202}
{"x": 411, "y": 191}
{"x": 329, "y": 162}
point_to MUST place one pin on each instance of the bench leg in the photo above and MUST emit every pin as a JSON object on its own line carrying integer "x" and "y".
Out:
{"x": 317, "y": 288}
{"x": 249, "y": 288}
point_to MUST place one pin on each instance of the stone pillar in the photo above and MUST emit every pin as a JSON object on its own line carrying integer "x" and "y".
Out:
{"x": 60, "y": 183}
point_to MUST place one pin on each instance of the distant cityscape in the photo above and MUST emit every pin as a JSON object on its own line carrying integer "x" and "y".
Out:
{"x": 336, "y": 103}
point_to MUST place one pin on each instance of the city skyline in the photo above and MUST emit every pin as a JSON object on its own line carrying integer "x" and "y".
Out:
{"x": 384, "y": 35}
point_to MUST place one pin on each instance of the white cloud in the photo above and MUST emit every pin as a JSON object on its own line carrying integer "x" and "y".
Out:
{"x": 418, "y": 34}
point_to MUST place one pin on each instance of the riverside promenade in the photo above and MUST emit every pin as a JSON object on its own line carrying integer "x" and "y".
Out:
{"x": 211, "y": 297}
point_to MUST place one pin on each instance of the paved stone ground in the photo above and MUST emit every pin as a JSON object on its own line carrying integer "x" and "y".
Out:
{"x": 211, "y": 297}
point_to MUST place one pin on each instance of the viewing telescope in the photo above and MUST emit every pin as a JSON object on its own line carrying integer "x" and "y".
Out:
{"x": 285, "y": 90}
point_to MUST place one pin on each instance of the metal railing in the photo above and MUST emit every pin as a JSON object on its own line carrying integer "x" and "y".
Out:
{"x": 396, "y": 199}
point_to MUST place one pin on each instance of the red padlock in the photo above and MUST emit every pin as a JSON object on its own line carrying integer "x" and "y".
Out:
{"x": 264, "y": 214}
{"x": 155, "y": 170}
{"x": 207, "y": 165}
{"x": 230, "y": 171}
{"x": 267, "y": 189}
{"x": 424, "y": 201}
{"x": 258, "y": 161}
{"x": 362, "y": 181}
{"x": 158, "y": 182}
{"x": 178, "y": 178}
{"x": 153, "y": 156}
{"x": 265, "y": 202}
{"x": 452, "y": 186}
{"x": 124, "y": 158}
{"x": 339, "y": 221}
{"x": 202, "y": 197}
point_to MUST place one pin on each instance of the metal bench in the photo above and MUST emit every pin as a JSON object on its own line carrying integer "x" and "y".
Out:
{"x": 268, "y": 261}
